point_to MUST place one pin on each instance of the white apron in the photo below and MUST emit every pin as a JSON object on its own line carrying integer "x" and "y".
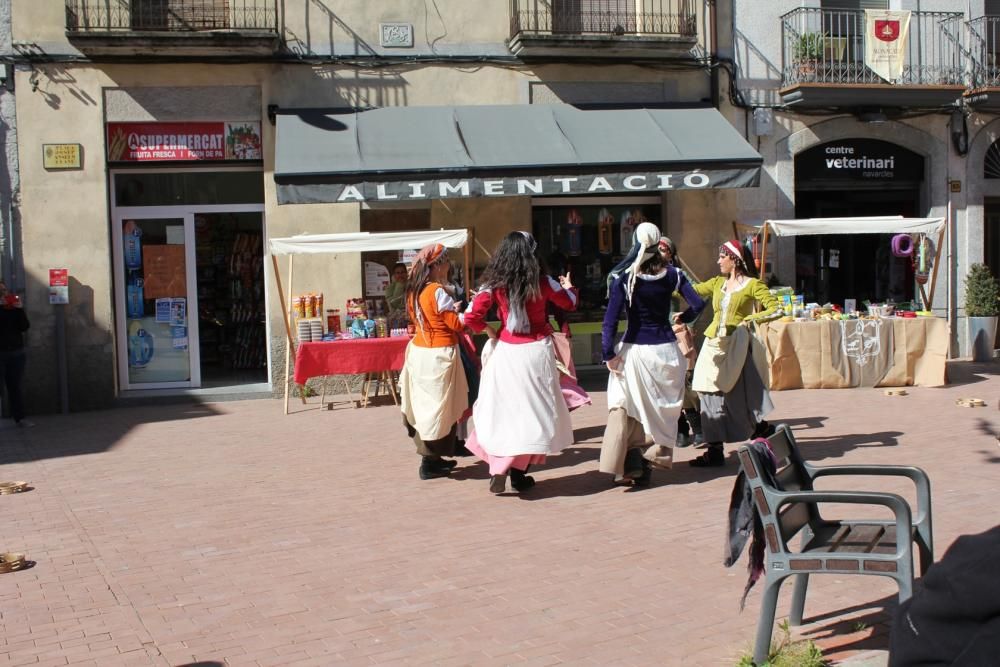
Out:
{"x": 520, "y": 409}
{"x": 433, "y": 390}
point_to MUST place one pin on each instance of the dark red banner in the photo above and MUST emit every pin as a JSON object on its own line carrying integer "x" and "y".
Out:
{"x": 171, "y": 142}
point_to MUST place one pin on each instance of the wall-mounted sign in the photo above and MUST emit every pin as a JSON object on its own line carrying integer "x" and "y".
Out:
{"x": 858, "y": 160}
{"x": 59, "y": 286}
{"x": 171, "y": 142}
{"x": 62, "y": 156}
{"x": 396, "y": 35}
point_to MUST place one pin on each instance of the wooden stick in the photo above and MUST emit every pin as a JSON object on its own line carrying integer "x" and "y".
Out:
{"x": 469, "y": 253}
{"x": 937, "y": 261}
{"x": 763, "y": 251}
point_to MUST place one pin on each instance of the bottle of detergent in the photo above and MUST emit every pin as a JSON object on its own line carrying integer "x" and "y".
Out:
{"x": 140, "y": 345}
{"x": 131, "y": 236}
{"x": 134, "y": 306}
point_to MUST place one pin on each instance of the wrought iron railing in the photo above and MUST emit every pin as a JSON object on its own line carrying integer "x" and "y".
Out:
{"x": 604, "y": 17}
{"x": 828, "y": 46}
{"x": 984, "y": 46}
{"x": 96, "y": 16}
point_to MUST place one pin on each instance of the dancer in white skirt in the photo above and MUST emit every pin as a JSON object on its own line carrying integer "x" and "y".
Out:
{"x": 433, "y": 387}
{"x": 646, "y": 384}
{"x": 520, "y": 415}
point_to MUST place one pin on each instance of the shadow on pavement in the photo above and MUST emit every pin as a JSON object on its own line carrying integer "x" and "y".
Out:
{"x": 846, "y": 631}
{"x": 969, "y": 372}
{"x": 80, "y": 433}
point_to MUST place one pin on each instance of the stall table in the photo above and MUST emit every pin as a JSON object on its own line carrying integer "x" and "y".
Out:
{"x": 886, "y": 352}
{"x": 375, "y": 358}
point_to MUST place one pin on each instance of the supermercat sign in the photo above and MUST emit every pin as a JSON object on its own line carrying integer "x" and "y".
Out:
{"x": 297, "y": 191}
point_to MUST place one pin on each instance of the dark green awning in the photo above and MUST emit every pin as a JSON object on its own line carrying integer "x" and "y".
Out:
{"x": 408, "y": 153}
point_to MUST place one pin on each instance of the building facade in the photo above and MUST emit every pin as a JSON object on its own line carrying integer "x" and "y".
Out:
{"x": 839, "y": 140}
{"x": 161, "y": 143}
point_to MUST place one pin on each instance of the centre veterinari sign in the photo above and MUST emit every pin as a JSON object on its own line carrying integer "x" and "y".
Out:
{"x": 854, "y": 160}
{"x": 172, "y": 142}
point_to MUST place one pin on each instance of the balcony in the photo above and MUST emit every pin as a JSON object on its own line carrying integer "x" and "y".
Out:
{"x": 984, "y": 47}
{"x": 603, "y": 28}
{"x": 823, "y": 61}
{"x": 173, "y": 27}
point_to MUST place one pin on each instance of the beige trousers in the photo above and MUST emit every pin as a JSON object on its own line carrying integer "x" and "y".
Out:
{"x": 621, "y": 434}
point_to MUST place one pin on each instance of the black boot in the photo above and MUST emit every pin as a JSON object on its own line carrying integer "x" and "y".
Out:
{"x": 521, "y": 480}
{"x": 498, "y": 483}
{"x": 432, "y": 467}
{"x": 460, "y": 449}
{"x": 646, "y": 477}
{"x": 633, "y": 463}
{"x": 714, "y": 457}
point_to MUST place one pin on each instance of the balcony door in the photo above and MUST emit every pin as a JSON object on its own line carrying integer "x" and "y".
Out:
{"x": 610, "y": 17}
{"x": 844, "y": 27}
{"x": 179, "y": 15}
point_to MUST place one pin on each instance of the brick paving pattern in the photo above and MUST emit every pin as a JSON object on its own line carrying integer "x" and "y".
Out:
{"x": 227, "y": 533}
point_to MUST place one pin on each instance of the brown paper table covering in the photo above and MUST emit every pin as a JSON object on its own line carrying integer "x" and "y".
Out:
{"x": 896, "y": 352}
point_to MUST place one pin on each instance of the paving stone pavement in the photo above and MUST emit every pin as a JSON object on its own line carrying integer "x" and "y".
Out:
{"x": 229, "y": 534}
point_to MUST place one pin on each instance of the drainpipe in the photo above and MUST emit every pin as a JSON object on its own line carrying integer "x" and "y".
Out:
{"x": 714, "y": 53}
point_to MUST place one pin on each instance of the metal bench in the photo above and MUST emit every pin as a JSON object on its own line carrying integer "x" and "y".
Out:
{"x": 831, "y": 546}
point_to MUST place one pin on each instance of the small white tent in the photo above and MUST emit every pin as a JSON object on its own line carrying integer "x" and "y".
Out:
{"x": 862, "y": 225}
{"x": 312, "y": 244}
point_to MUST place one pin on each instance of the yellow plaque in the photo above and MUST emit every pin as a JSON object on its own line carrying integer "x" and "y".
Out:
{"x": 62, "y": 156}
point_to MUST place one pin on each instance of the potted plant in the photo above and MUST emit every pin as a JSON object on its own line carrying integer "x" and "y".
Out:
{"x": 807, "y": 50}
{"x": 982, "y": 306}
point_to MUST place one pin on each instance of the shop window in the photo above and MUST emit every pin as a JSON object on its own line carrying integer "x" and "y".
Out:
{"x": 588, "y": 241}
{"x": 193, "y": 187}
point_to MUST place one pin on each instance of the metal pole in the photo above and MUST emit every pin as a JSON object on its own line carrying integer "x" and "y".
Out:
{"x": 61, "y": 370}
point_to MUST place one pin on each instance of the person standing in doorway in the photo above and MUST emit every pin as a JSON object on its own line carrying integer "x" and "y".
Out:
{"x": 733, "y": 393}
{"x": 395, "y": 292}
{"x": 13, "y": 324}
{"x": 432, "y": 383}
{"x": 521, "y": 415}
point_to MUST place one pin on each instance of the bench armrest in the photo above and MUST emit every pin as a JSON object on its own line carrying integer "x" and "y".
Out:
{"x": 920, "y": 480}
{"x": 900, "y": 508}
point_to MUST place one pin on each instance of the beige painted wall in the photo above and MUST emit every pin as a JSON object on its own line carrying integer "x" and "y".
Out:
{"x": 339, "y": 27}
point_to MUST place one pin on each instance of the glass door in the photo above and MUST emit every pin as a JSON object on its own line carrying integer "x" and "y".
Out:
{"x": 155, "y": 283}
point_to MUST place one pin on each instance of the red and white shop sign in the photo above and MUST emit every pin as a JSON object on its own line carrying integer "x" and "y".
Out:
{"x": 171, "y": 142}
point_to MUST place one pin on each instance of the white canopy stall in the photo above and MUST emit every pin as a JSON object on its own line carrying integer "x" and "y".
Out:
{"x": 863, "y": 225}
{"x": 312, "y": 244}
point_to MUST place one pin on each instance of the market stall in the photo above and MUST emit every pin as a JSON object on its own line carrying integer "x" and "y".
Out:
{"x": 847, "y": 350}
{"x": 335, "y": 357}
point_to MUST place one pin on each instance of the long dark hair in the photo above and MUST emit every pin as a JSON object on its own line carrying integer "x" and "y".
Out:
{"x": 515, "y": 268}
{"x": 653, "y": 265}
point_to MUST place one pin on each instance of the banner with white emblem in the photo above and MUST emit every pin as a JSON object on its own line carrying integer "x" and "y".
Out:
{"x": 886, "y": 37}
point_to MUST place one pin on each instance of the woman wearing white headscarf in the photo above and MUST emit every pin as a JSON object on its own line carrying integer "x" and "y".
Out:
{"x": 646, "y": 385}
{"x": 520, "y": 414}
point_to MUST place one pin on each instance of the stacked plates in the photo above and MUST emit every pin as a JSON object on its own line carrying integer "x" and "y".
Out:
{"x": 316, "y": 327}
